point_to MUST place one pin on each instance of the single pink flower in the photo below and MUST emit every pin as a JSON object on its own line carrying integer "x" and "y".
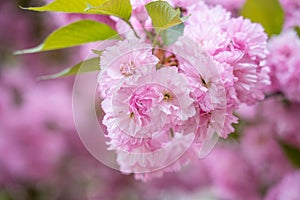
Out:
{"x": 204, "y": 77}
{"x": 144, "y": 107}
{"x": 123, "y": 62}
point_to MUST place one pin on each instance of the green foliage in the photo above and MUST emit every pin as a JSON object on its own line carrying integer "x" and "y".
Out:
{"x": 77, "y": 33}
{"x": 171, "y": 35}
{"x": 119, "y": 8}
{"x": 267, "y": 12}
{"x": 68, "y": 6}
{"x": 292, "y": 153}
{"x": 297, "y": 29}
{"x": 4, "y": 196}
{"x": 163, "y": 15}
{"x": 84, "y": 66}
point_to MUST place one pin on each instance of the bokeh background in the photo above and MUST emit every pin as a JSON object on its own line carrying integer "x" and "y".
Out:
{"x": 42, "y": 157}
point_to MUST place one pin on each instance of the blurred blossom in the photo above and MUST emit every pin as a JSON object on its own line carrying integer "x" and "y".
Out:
{"x": 86, "y": 178}
{"x": 63, "y": 19}
{"x": 205, "y": 194}
{"x": 189, "y": 179}
{"x": 35, "y": 118}
{"x": 231, "y": 5}
{"x": 231, "y": 174}
{"x": 262, "y": 150}
{"x": 16, "y": 35}
{"x": 247, "y": 113}
{"x": 286, "y": 125}
{"x": 292, "y": 13}
{"x": 287, "y": 188}
{"x": 284, "y": 62}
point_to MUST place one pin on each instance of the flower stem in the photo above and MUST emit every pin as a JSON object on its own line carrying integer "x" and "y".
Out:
{"x": 135, "y": 33}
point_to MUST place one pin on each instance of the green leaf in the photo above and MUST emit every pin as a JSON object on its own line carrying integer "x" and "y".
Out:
{"x": 69, "y": 6}
{"x": 77, "y": 33}
{"x": 267, "y": 12}
{"x": 84, "y": 66}
{"x": 171, "y": 35}
{"x": 97, "y": 52}
{"x": 292, "y": 153}
{"x": 163, "y": 15}
{"x": 119, "y": 8}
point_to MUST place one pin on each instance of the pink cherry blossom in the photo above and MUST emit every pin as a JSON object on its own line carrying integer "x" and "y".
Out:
{"x": 153, "y": 103}
{"x": 206, "y": 82}
{"x": 148, "y": 165}
{"x": 139, "y": 19}
{"x": 248, "y": 38}
{"x": 152, "y": 121}
{"x": 145, "y": 116}
{"x": 205, "y": 16}
{"x": 186, "y": 6}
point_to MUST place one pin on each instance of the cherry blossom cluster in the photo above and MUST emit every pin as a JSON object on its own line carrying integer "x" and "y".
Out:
{"x": 162, "y": 103}
{"x": 163, "y": 106}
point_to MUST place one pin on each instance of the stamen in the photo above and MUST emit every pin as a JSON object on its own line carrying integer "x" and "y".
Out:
{"x": 127, "y": 69}
{"x": 167, "y": 96}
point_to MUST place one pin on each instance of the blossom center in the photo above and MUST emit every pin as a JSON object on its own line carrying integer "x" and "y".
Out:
{"x": 204, "y": 82}
{"x": 127, "y": 69}
{"x": 167, "y": 97}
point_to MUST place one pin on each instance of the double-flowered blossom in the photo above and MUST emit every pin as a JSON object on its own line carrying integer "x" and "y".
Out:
{"x": 152, "y": 104}
{"x": 208, "y": 90}
{"x": 125, "y": 61}
{"x": 235, "y": 42}
{"x": 239, "y": 49}
{"x": 164, "y": 104}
